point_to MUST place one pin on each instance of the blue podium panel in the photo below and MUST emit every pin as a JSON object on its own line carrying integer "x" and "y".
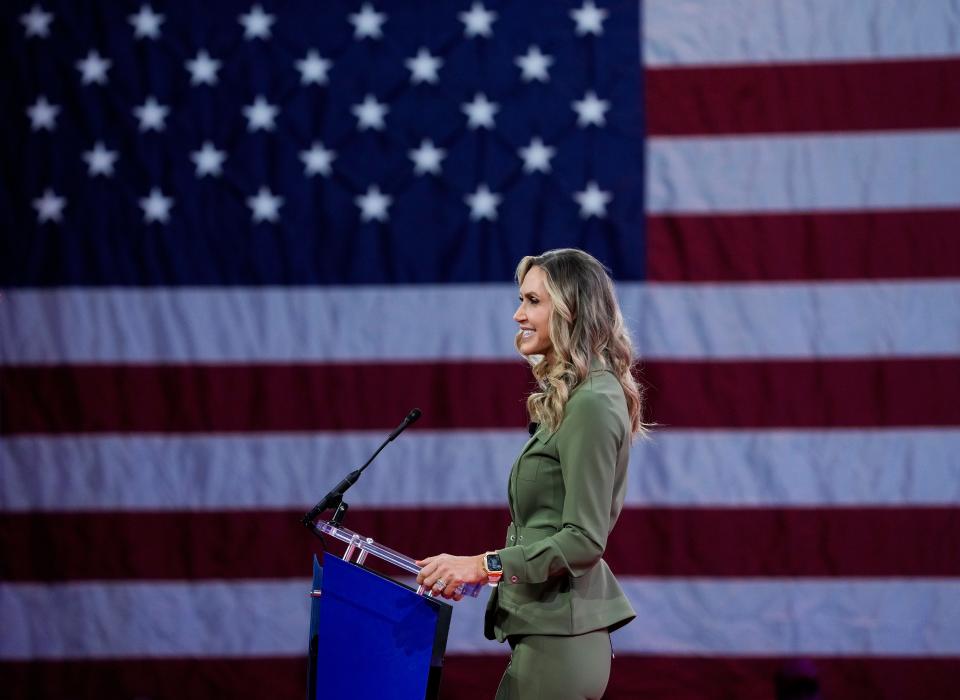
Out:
{"x": 377, "y": 638}
{"x": 314, "y": 626}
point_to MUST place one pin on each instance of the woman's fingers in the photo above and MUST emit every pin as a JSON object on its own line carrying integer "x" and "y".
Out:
{"x": 427, "y": 572}
{"x": 440, "y": 585}
{"x": 449, "y": 570}
{"x": 450, "y": 590}
{"x": 440, "y": 581}
{"x": 428, "y": 567}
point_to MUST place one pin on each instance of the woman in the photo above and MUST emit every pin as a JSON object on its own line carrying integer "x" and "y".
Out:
{"x": 555, "y": 600}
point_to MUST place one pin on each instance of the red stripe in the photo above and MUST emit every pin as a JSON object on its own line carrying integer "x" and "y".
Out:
{"x": 694, "y": 678}
{"x": 832, "y": 393}
{"x": 812, "y": 97}
{"x": 807, "y": 246}
{"x": 258, "y": 398}
{"x": 476, "y": 678}
{"x": 670, "y": 542}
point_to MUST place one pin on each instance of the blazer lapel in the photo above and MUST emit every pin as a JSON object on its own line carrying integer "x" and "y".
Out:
{"x": 512, "y": 481}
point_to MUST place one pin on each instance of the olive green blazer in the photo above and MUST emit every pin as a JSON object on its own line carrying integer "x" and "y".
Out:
{"x": 566, "y": 490}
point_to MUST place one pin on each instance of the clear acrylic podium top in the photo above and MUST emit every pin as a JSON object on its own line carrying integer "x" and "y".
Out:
{"x": 366, "y": 545}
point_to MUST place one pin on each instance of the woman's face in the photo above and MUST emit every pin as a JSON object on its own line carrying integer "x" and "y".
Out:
{"x": 534, "y": 314}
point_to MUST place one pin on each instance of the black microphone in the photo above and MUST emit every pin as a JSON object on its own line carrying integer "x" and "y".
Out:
{"x": 335, "y": 495}
{"x": 411, "y": 418}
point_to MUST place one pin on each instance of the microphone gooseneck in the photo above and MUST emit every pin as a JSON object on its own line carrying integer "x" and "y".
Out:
{"x": 335, "y": 495}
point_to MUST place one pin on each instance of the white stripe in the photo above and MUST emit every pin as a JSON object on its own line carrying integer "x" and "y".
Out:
{"x": 910, "y": 617}
{"x": 797, "y": 468}
{"x": 177, "y": 472}
{"x": 916, "y": 617}
{"x": 257, "y": 324}
{"x": 689, "y": 321}
{"x": 98, "y": 620}
{"x": 700, "y": 32}
{"x": 818, "y": 172}
{"x": 916, "y": 467}
{"x": 788, "y": 320}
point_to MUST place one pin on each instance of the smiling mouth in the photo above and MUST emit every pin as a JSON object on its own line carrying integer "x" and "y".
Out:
{"x": 526, "y": 333}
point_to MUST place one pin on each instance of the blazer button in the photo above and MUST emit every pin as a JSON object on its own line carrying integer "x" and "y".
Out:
{"x": 513, "y": 538}
{"x": 513, "y": 579}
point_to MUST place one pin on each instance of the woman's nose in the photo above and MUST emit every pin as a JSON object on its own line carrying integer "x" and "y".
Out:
{"x": 518, "y": 314}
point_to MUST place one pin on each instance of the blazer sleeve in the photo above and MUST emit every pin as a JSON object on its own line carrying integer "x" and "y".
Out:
{"x": 588, "y": 442}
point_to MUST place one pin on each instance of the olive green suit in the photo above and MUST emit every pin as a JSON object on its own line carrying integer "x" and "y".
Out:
{"x": 566, "y": 491}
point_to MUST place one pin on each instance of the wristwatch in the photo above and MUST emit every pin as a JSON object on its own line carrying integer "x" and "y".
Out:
{"x": 493, "y": 568}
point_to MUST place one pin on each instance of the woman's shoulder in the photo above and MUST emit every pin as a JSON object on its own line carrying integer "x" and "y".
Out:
{"x": 597, "y": 407}
{"x": 599, "y": 391}
{"x": 597, "y": 382}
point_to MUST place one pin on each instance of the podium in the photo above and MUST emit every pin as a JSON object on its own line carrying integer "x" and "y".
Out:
{"x": 372, "y": 636}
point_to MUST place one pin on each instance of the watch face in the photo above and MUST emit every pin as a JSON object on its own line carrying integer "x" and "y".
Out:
{"x": 494, "y": 563}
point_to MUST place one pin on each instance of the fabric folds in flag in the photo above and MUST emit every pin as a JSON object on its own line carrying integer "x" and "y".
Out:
{"x": 241, "y": 240}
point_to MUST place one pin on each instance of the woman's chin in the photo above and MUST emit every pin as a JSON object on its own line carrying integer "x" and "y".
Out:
{"x": 536, "y": 355}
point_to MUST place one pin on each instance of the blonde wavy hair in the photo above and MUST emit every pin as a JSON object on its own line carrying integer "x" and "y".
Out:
{"x": 586, "y": 323}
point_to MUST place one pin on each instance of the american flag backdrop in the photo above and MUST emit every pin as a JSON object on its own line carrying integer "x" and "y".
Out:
{"x": 241, "y": 240}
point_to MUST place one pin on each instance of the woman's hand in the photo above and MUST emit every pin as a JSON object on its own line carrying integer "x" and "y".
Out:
{"x": 451, "y": 572}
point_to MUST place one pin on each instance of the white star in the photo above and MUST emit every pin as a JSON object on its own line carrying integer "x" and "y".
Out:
{"x": 536, "y": 156}
{"x": 208, "y": 160}
{"x": 260, "y": 115}
{"x": 43, "y": 115}
{"x": 593, "y": 201}
{"x": 256, "y": 23}
{"x": 152, "y": 115}
{"x": 265, "y": 206}
{"x": 49, "y": 207}
{"x": 423, "y": 67}
{"x": 534, "y": 65}
{"x": 589, "y": 19}
{"x": 93, "y": 69}
{"x": 370, "y": 113}
{"x": 591, "y": 110}
{"x": 478, "y": 21}
{"x": 317, "y": 160}
{"x": 100, "y": 160}
{"x": 313, "y": 68}
{"x": 146, "y": 23}
{"x": 368, "y": 22}
{"x": 483, "y": 204}
{"x": 37, "y": 22}
{"x": 203, "y": 69}
{"x": 426, "y": 158}
{"x": 373, "y": 205}
{"x": 480, "y": 112}
{"x": 156, "y": 207}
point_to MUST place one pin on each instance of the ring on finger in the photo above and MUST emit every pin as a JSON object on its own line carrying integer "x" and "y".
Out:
{"x": 440, "y": 584}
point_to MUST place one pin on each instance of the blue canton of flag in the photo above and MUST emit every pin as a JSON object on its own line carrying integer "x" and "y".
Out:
{"x": 304, "y": 143}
